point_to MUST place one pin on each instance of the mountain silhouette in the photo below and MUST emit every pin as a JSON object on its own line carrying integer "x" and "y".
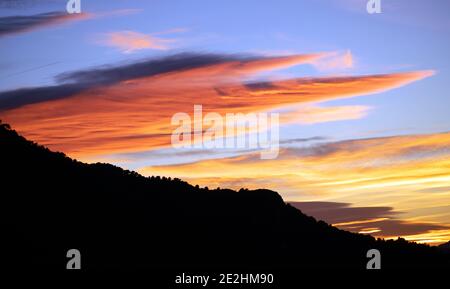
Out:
{"x": 119, "y": 219}
{"x": 445, "y": 246}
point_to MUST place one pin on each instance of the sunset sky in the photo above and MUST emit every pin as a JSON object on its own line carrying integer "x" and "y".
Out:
{"x": 363, "y": 98}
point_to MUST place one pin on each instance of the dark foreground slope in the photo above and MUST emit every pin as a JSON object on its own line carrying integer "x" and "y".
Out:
{"x": 119, "y": 219}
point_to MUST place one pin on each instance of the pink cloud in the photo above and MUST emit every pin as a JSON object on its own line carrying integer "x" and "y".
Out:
{"x": 335, "y": 61}
{"x": 312, "y": 114}
{"x": 130, "y": 41}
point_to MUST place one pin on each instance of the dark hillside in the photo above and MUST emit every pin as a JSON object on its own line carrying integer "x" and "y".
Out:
{"x": 120, "y": 219}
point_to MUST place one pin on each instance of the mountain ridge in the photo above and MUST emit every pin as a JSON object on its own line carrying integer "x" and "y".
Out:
{"x": 120, "y": 219}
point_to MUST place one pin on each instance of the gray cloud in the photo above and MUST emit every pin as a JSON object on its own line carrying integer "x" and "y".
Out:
{"x": 20, "y": 4}
{"x": 72, "y": 83}
{"x": 20, "y": 97}
{"x": 333, "y": 213}
{"x": 23, "y": 23}
{"x": 148, "y": 67}
{"x": 303, "y": 140}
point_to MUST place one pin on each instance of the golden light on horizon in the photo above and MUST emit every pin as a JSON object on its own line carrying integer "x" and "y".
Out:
{"x": 409, "y": 173}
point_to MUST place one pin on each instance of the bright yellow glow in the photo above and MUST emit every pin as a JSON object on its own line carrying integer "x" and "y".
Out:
{"x": 359, "y": 222}
{"x": 409, "y": 173}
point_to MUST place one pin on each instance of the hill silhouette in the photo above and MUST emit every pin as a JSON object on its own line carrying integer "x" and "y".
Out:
{"x": 120, "y": 219}
{"x": 445, "y": 246}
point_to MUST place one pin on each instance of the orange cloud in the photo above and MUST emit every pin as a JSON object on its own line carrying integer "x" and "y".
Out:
{"x": 130, "y": 41}
{"x": 134, "y": 114}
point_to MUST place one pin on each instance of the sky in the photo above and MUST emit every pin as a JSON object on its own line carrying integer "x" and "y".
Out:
{"x": 362, "y": 98}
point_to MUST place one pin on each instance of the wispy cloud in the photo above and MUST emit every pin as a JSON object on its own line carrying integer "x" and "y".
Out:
{"x": 335, "y": 61}
{"x": 131, "y": 41}
{"x": 11, "y": 25}
{"x": 19, "y": 24}
{"x": 312, "y": 114}
{"x": 118, "y": 12}
{"x": 134, "y": 103}
{"x": 409, "y": 174}
{"x": 379, "y": 221}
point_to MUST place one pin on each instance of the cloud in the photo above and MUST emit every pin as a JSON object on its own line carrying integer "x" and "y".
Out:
{"x": 10, "y": 25}
{"x": 129, "y": 108}
{"x": 335, "y": 212}
{"x": 302, "y": 140}
{"x": 380, "y": 221}
{"x": 19, "y": 24}
{"x": 72, "y": 83}
{"x": 118, "y": 12}
{"x": 21, "y": 4}
{"x": 27, "y": 96}
{"x": 130, "y": 41}
{"x": 389, "y": 172}
{"x": 146, "y": 68}
{"x": 335, "y": 61}
{"x": 375, "y": 156}
{"x": 380, "y": 151}
{"x": 311, "y": 114}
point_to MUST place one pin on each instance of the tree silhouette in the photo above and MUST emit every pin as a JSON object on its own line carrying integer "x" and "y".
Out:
{"x": 52, "y": 203}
